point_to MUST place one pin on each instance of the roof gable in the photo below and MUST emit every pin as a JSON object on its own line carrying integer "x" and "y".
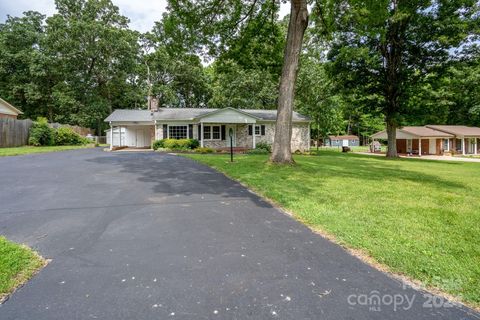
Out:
{"x": 228, "y": 115}
{"x": 8, "y": 107}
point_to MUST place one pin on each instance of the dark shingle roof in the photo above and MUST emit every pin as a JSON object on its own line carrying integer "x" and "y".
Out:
{"x": 123, "y": 115}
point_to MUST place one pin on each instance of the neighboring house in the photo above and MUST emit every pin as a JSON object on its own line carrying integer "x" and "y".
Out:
{"x": 212, "y": 127}
{"x": 342, "y": 141}
{"x": 435, "y": 139}
{"x": 8, "y": 111}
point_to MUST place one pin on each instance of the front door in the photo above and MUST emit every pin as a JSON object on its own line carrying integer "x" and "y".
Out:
{"x": 345, "y": 143}
{"x": 432, "y": 146}
{"x": 140, "y": 138}
{"x": 231, "y": 129}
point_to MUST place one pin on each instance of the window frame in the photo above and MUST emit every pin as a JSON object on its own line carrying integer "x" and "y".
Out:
{"x": 254, "y": 130}
{"x": 211, "y": 132}
{"x": 175, "y": 127}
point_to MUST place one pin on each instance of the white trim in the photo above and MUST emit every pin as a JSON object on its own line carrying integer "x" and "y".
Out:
{"x": 8, "y": 105}
{"x": 245, "y": 113}
{"x": 111, "y": 136}
{"x": 211, "y": 132}
{"x": 463, "y": 146}
{"x": 175, "y": 125}
{"x": 419, "y": 147}
{"x": 201, "y": 134}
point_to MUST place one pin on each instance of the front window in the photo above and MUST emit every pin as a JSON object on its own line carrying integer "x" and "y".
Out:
{"x": 216, "y": 132}
{"x": 178, "y": 132}
{"x": 211, "y": 133}
{"x": 446, "y": 145}
{"x": 257, "y": 130}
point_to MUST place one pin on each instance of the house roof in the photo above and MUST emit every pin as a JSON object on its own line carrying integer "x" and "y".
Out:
{"x": 344, "y": 137}
{"x": 120, "y": 115}
{"x": 9, "y": 106}
{"x": 125, "y": 115}
{"x": 424, "y": 132}
{"x": 457, "y": 130}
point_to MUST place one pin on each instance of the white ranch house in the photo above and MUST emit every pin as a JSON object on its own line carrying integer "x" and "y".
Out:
{"x": 212, "y": 127}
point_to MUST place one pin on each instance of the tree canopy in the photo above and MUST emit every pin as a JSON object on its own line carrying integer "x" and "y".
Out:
{"x": 363, "y": 65}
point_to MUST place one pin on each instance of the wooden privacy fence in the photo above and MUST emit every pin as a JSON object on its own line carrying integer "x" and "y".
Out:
{"x": 80, "y": 130}
{"x": 13, "y": 132}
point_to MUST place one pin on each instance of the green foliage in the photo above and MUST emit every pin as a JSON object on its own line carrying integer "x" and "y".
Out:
{"x": 158, "y": 144}
{"x": 176, "y": 144}
{"x": 263, "y": 146}
{"x": 387, "y": 57}
{"x": 204, "y": 150}
{"x": 65, "y": 136}
{"x": 258, "y": 151}
{"x": 41, "y": 134}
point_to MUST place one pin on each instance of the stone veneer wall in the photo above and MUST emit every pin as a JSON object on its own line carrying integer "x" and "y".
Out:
{"x": 300, "y": 136}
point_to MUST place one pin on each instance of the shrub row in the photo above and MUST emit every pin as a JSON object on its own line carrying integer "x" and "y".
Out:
{"x": 176, "y": 144}
{"x": 42, "y": 135}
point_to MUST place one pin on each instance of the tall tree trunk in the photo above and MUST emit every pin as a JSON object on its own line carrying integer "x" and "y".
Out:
{"x": 392, "y": 139}
{"x": 282, "y": 152}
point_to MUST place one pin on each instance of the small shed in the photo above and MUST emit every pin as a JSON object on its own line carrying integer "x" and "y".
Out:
{"x": 375, "y": 146}
{"x": 342, "y": 141}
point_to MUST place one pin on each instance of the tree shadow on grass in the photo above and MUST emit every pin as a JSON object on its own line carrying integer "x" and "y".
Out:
{"x": 371, "y": 168}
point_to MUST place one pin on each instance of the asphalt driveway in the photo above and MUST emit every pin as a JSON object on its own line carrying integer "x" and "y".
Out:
{"x": 155, "y": 236}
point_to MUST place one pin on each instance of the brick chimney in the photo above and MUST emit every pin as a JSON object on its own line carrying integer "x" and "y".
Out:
{"x": 152, "y": 103}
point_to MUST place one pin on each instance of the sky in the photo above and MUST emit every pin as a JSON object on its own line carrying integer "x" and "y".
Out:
{"x": 142, "y": 13}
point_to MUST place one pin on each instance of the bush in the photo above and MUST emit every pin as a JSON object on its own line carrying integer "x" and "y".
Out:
{"x": 157, "y": 144}
{"x": 66, "y": 136}
{"x": 194, "y": 143}
{"x": 41, "y": 134}
{"x": 258, "y": 151}
{"x": 176, "y": 144}
{"x": 204, "y": 150}
{"x": 264, "y": 146}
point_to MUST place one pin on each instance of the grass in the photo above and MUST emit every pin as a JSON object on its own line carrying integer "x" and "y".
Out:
{"x": 16, "y": 151}
{"x": 18, "y": 263}
{"x": 353, "y": 149}
{"x": 418, "y": 218}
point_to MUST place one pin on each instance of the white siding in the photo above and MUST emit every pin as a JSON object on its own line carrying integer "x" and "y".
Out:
{"x": 228, "y": 116}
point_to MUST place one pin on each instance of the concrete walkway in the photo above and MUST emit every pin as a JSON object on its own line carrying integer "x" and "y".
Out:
{"x": 427, "y": 157}
{"x": 155, "y": 236}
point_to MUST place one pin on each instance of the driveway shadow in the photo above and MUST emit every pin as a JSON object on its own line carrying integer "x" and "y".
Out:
{"x": 171, "y": 175}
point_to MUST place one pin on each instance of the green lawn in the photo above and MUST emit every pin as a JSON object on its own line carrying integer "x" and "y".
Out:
{"x": 17, "y": 264}
{"x": 16, "y": 151}
{"x": 420, "y": 218}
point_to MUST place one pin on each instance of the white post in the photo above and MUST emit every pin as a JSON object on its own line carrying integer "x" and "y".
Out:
{"x": 201, "y": 134}
{"x": 463, "y": 145}
{"x": 419, "y": 146}
{"x": 475, "y": 151}
{"x": 120, "y": 136}
{"x": 448, "y": 144}
{"x": 253, "y": 134}
{"x": 111, "y": 136}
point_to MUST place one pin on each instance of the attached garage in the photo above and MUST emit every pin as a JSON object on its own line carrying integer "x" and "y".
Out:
{"x": 131, "y": 136}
